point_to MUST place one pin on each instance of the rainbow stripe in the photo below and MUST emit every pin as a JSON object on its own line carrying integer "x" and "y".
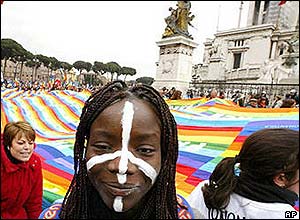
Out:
{"x": 208, "y": 131}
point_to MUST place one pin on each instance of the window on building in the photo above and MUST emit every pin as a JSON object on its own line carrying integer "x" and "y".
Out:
{"x": 281, "y": 51}
{"x": 237, "y": 60}
{"x": 239, "y": 43}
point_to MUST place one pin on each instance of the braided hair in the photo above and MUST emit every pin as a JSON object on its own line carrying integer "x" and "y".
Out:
{"x": 264, "y": 154}
{"x": 82, "y": 201}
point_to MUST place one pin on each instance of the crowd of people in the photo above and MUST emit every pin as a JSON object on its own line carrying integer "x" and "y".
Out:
{"x": 124, "y": 169}
{"x": 173, "y": 93}
{"x": 290, "y": 100}
{"x": 251, "y": 100}
{"x": 42, "y": 86}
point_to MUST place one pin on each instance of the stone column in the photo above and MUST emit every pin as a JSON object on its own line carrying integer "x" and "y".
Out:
{"x": 274, "y": 49}
{"x": 250, "y": 13}
{"x": 261, "y": 11}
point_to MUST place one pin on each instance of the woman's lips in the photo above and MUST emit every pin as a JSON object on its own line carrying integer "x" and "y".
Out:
{"x": 121, "y": 189}
{"x": 25, "y": 154}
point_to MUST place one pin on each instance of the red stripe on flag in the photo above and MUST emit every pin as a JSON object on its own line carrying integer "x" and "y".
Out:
{"x": 282, "y": 2}
{"x": 186, "y": 170}
{"x": 208, "y": 128}
{"x": 193, "y": 180}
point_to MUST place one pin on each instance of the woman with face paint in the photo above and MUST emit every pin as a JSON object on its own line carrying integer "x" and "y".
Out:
{"x": 261, "y": 182}
{"x": 21, "y": 173}
{"x": 125, "y": 157}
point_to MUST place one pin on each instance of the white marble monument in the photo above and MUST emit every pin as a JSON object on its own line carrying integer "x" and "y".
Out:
{"x": 174, "y": 68}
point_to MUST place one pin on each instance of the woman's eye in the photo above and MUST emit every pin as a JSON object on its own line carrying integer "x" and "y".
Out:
{"x": 102, "y": 147}
{"x": 145, "y": 151}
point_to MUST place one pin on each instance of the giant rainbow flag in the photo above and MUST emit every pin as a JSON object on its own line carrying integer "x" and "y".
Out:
{"x": 208, "y": 130}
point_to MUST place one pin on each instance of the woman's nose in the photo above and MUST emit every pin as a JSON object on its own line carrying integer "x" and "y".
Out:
{"x": 28, "y": 146}
{"x": 113, "y": 166}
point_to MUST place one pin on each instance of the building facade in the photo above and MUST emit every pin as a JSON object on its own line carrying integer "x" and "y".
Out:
{"x": 265, "y": 51}
{"x": 21, "y": 72}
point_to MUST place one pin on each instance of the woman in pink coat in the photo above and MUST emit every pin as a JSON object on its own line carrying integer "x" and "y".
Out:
{"x": 21, "y": 173}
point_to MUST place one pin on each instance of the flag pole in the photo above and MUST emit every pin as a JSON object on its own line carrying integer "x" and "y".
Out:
{"x": 281, "y": 3}
{"x": 278, "y": 18}
{"x": 218, "y": 18}
{"x": 240, "y": 14}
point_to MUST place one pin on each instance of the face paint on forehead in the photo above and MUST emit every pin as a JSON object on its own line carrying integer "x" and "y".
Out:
{"x": 126, "y": 122}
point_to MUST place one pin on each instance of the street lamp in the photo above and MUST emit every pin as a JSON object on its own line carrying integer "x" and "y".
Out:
{"x": 22, "y": 59}
{"x": 35, "y": 60}
{"x": 16, "y": 66}
{"x": 49, "y": 72}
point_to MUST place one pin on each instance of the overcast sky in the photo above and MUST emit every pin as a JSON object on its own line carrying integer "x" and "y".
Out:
{"x": 122, "y": 31}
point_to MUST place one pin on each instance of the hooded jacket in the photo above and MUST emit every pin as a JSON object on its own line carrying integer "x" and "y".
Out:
{"x": 21, "y": 187}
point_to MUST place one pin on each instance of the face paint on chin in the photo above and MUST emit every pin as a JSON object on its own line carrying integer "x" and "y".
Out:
{"x": 118, "y": 204}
